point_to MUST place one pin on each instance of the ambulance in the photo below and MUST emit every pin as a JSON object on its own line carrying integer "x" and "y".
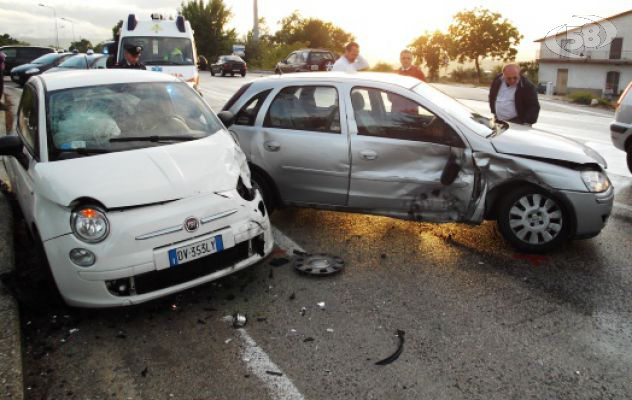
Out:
{"x": 168, "y": 45}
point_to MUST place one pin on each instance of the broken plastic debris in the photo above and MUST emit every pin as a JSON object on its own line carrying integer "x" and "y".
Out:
{"x": 319, "y": 264}
{"x": 228, "y": 340}
{"x": 277, "y": 262}
{"x": 330, "y": 330}
{"x": 73, "y": 330}
{"x": 274, "y": 373}
{"x": 321, "y": 304}
{"x": 239, "y": 320}
{"x": 398, "y": 352}
{"x": 293, "y": 330}
{"x": 303, "y": 311}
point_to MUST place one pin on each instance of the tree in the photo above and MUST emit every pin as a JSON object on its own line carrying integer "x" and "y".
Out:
{"x": 6, "y": 39}
{"x": 432, "y": 49}
{"x": 81, "y": 45}
{"x": 480, "y": 33}
{"x": 383, "y": 67}
{"x": 116, "y": 29}
{"x": 209, "y": 21}
{"x": 315, "y": 32}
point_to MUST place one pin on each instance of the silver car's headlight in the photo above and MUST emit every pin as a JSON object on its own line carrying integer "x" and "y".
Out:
{"x": 89, "y": 224}
{"x": 32, "y": 71}
{"x": 596, "y": 181}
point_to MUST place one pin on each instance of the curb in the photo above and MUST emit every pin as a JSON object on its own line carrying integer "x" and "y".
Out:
{"x": 11, "y": 379}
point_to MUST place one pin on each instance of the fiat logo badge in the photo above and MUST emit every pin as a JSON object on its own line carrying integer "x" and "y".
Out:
{"x": 191, "y": 224}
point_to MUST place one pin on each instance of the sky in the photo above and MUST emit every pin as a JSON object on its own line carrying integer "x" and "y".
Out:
{"x": 381, "y": 30}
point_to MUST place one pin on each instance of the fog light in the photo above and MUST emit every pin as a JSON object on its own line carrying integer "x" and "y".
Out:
{"x": 83, "y": 257}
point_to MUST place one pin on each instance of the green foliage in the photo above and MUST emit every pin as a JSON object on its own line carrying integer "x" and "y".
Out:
{"x": 315, "y": 32}
{"x": 383, "y": 67}
{"x": 116, "y": 29}
{"x": 480, "y": 33}
{"x": 6, "y": 39}
{"x": 463, "y": 75}
{"x": 530, "y": 69}
{"x": 433, "y": 49}
{"x": 209, "y": 20}
{"x": 81, "y": 45}
{"x": 581, "y": 97}
{"x": 265, "y": 54}
{"x": 98, "y": 48}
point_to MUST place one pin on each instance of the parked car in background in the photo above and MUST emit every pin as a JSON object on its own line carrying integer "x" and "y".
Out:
{"x": 82, "y": 61}
{"x": 306, "y": 60}
{"x": 391, "y": 145}
{"x": 232, "y": 65}
{"x": 18, "y": 55}
{"x": 123, "y": 178}
{"x": 621, "y": 128}
{"x": 22, "y": 73}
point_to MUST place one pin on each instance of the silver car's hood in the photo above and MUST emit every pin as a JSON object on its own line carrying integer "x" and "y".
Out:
{"x": 145, "y": 176}
{"x": 531, "y": 142}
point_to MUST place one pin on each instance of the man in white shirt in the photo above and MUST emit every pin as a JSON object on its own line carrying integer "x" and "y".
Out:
{"x": 513, "y": 97}
{"x": 351, "y": 61}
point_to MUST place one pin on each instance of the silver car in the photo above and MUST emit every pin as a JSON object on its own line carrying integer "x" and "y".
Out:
{"x": 621, "y": 128}
{"x": 390, "y": 145}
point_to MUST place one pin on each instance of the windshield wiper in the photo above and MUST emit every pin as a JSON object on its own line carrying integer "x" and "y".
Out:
{"x": 180, "y": 138}
{"x": 84, "y": 151}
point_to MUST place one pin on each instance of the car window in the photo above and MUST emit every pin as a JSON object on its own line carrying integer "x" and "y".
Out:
{"x": 161, "y": 50}
{"x": 113, "y": 117}
{"x": 46, "y": 59}
{"x": 386, "y": 114}
{"x": 75, "y": 62}
{"x": 10, "y": 53}
{"x": 100, "y": 63}
{"x": 27, "y": 120}
{"x": 292, "y": 58}
{"x": 301, "y": 57}
{"x": 318, "y": 57}
{"x": 307, "y": 108}
{"x": 248, "y": 113}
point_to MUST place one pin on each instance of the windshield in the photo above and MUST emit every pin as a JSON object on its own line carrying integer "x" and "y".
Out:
{"x": 46, "y": 59}
{"x": 75, "y": 62}
{"x": 100, "y": 119}
{"x": 480, "y": 124}
{"x": 161, "y": 50}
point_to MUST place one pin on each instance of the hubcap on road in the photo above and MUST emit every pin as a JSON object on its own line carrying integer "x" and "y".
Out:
{"x": 535, "y": 219}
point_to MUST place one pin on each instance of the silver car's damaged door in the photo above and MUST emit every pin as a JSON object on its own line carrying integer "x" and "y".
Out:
{"x": 407, "y": 162}
{"x": 303, "y": 146}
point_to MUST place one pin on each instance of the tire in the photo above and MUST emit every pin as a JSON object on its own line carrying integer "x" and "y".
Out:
{"x": 223, "y": 73}
{"x": 277, "y": 71}
{"x": 212, "y": 72}
{"x": 260, "y": 183}
{"x": 533, "y": 221}
{"x": 243, "y": 74}
{"x": 630, "y": 160}
{"x": 232, "y": 74}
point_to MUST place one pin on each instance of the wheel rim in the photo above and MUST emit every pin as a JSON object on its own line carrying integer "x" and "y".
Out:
{"x": 536, "y": 219}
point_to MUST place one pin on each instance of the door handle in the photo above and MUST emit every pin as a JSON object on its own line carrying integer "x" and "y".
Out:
{"x": 272, "y": 146}
{"x": 368, "y": 155}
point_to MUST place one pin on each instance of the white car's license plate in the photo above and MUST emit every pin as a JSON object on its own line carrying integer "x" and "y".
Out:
{"x": 184, "y": 254}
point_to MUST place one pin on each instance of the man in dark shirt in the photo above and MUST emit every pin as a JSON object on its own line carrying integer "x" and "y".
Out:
{"x": 131, "y": 57}
{"x": 407, "y": 68}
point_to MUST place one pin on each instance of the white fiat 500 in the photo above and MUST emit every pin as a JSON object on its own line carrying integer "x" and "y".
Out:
{"x": 132, "y": 186}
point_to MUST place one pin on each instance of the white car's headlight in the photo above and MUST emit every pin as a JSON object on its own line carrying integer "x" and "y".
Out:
{"x": 89, "y": 224}
{"x": 596, "y": 181}
{"x": 32, "y": 71}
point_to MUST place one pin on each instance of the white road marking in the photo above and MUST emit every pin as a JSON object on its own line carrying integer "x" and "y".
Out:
{"x": 623, "y": 206}
{"x": 258, "y": 362}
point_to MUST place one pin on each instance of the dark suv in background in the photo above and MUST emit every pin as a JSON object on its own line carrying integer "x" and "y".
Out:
{"x": 18, "y": 55}
{"x": 230, "y": 64}
{"x": 305, "y": 60}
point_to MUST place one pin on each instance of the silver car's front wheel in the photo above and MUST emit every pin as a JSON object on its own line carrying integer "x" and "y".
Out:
{"x": 533, "y": 220}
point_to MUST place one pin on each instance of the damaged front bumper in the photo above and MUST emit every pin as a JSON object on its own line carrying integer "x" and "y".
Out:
{"x": 133, "y": 267}
{"x": 592, "y": 211}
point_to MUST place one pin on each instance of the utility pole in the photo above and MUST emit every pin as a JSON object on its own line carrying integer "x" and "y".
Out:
{"x": 54, "y": 16}
{"x": 72, "y": 24}
{"x": 255, "y": 27}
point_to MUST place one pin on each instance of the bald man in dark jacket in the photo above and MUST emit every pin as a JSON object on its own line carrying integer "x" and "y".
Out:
{"x": 513, "y": 95}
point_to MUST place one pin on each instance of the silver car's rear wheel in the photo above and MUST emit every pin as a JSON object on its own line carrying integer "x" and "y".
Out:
{"x": 533, "y": 220}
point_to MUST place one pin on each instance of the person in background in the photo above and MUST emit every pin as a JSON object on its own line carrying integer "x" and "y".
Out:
{"x": 513, "y": 98}
{"x": 5, "y": 102}
{"x": 351, "y": 61}
{"x": 407, "y": 68}
{"x": 131, "y": 57}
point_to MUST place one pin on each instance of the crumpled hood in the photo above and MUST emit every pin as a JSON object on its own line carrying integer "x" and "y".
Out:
{"x": 532, "y": 142}
{"x": 146, "y": 176}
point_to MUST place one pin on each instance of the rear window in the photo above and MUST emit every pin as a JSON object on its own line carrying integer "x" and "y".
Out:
{"x": 318, "y": 57}
{"x": 234, "y": 58}
{"x": 75, "y": 62}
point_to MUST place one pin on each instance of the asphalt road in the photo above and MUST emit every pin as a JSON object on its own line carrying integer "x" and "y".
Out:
{"x": 480, "y": 321}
